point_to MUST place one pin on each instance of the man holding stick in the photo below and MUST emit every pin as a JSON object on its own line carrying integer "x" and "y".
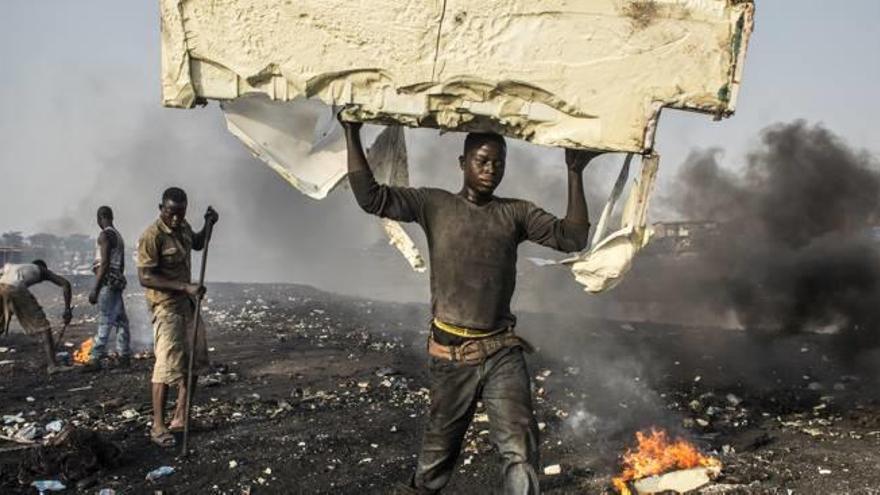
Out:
{"x": 164, "y": 269}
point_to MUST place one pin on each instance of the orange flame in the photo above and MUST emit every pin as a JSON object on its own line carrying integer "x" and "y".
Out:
{"x": 657, "y": 455}
{"x": 84, "y": 354}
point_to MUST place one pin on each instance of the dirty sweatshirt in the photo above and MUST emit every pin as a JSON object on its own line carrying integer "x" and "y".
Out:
{"x": 472, "y": 248}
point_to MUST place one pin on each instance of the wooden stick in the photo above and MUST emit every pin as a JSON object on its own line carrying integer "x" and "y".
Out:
{"x": 209, "y": 227}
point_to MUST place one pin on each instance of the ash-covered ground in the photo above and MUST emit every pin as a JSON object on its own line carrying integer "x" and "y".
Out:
{"x": 318, "y": 393}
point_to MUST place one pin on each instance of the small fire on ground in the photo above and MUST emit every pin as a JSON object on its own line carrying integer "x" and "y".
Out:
{"x": 657, "y": 455}
{"x": 83, "y": 354}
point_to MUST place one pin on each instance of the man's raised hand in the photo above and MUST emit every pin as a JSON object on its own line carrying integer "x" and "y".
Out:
{"x": 348, "y": 125}
{"x": 195, "y": 290}
{"x": 577, "y": 160}
{"x": 211, "y": 216}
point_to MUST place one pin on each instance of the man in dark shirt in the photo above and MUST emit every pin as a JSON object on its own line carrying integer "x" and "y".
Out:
{"x": 472, "y": 240}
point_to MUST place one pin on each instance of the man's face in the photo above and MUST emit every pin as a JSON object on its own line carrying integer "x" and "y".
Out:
{"x": 483, "y": 167}
{"x": 172, "y": 213}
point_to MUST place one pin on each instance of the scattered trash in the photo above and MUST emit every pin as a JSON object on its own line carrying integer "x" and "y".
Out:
{"x": 48, "y": 486}
{"x": 55, "y": 426}
{"x": 233, "y": 464}
{"x": 130, "y": 414}
{"x": 27, "y": 434}
{"x": 73, "y": 454}
{"x": 159, "y": 473}
{"x": 552, "y": 470}
{"x": 9, "y": 419}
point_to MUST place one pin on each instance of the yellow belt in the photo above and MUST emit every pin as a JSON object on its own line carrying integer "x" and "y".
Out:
{"x": 464, "y": 331}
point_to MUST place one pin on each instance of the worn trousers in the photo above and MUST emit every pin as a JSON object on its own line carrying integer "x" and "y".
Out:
{"x": 111, "y": 308}
{"x": 502, "y": 383}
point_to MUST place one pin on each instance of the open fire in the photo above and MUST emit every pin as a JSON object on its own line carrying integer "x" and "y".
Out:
{"x": 83, "y": 354}
{"x": 657, "y": 455}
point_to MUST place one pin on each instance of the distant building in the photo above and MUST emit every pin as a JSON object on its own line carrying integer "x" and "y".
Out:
{"x": 677, "y": 238}
{"x": 10, "y": 254}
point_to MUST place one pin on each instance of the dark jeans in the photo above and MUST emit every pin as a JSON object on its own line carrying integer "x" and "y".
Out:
{"x": 502, "y": 383}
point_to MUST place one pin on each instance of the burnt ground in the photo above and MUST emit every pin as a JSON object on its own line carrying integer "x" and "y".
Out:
{"x": 318, "y": 393}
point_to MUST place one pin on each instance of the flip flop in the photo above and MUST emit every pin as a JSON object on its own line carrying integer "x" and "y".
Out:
{"x": 194, "y": 426}
{"x": 165, "y": 440}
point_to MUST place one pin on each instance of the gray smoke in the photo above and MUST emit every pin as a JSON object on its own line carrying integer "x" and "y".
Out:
{"x": 795, "y": 252}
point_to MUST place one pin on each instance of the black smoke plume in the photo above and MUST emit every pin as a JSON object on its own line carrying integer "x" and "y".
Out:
{"x": 795, "y": 252}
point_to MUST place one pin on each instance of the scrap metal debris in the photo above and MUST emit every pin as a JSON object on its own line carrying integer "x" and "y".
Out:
{"x": 74, "y": 454}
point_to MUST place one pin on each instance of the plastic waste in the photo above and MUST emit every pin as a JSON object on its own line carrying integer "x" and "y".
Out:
{"x": 48, "y": 486}
{"x": 55, "y": 426}
{"x": 160, "y": 472}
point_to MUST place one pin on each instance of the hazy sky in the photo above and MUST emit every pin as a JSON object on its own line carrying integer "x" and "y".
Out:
{"x": 80, "y": 96}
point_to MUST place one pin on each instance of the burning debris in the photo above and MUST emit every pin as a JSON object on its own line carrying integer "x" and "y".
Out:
{"x": 83, "y": 354}
{"x": 659, "y": 465}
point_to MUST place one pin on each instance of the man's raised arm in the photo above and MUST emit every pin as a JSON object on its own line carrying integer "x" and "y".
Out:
{"x": 576, "y": 161}
{"x": 571, "y": 233}
{"x": 403, "y": 204}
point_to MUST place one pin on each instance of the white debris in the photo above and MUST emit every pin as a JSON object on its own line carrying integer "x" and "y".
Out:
{"x": 552, "y": 469}
{"x": 681, "y": 481}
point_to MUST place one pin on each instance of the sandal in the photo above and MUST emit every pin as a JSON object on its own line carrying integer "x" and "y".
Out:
{"x": 165, "y": 439}
{"x": 194, "y": 426}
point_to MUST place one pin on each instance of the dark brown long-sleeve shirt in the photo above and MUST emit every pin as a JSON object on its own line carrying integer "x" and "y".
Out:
{"x": 472, "y": 248}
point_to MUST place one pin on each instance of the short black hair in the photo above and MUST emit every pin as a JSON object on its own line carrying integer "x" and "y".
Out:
{"x": 41, "y": 264}
{"x": 105, "y": 212}
{"x": 477, "y": 139}
{"x": 175, "y": 194}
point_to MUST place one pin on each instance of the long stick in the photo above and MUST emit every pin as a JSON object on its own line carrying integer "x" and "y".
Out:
{"x": 209, "y": 227}
{"x": 59, "y": 337}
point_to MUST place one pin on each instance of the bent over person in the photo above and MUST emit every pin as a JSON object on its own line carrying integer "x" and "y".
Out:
{"x": 16, "y": 299}
{"x": 475, "y": 355}
{"x": 164, "y": 263}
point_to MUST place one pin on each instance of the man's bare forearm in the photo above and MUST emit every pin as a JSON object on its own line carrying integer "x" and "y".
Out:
{"x": 577, "y": 211}
{"x": 104, "y": 265}
{"x": 68, "y": 294}
{"x": 151, "y": 280}
{"x": 357, "y": 159}
{"x": 101, "y": 275}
